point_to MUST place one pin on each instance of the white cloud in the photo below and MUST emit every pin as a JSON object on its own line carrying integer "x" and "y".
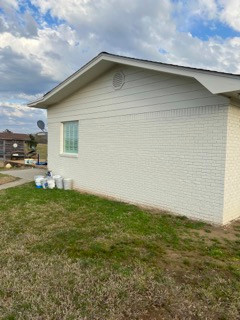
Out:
{"x": 36, "y": 54}
{"x": 49, "y": 48}
{"x": 65, "y": 9}
{"x": 124, "y": 27}
{"x": 204, "y": 8}
{"x": 19, "y": 118}
{"x": 12, "y": 105}
{"x": 230, "y": 13}
{"x": 91, "y": 27}
{"x": 9, "y": 4}
{"x": 12, "y": 112}
{"x": 143, "y": 31}
{"x": 225, "y": 11}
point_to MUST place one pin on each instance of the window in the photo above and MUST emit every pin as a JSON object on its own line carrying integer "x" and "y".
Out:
{"x": 70, "y": 137}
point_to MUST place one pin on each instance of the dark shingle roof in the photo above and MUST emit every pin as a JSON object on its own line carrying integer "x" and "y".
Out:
{"x": 8, "y": 135}
{"x": 172, "y": 65}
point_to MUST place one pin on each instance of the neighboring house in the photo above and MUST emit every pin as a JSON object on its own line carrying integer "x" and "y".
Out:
{"x": 149, "y": 133}
{"x": 12, "y": 143}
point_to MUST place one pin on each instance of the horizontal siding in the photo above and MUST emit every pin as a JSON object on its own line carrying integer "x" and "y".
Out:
{"x": 139, "y": 88}
{"x": 143, "y": 91}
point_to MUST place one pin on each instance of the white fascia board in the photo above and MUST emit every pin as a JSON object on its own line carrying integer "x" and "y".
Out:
{"x": 219, "y": 84}
{"x": 216, "y": 83}
{"x": 43, "y": 101}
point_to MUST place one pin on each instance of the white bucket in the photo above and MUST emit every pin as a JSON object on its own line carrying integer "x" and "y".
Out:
{"x": 38, "y": 177}
{"x": 45, "y": 183}
{"x": 51, "y": 183}
{"x": 38, "y": 181}
{"x": 67, "y": 184}
{"x": 56, "y": 176}
{"x": 59, "y": 183}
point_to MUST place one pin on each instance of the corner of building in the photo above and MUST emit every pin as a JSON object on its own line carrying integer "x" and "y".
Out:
{"x": 231, "y": 207}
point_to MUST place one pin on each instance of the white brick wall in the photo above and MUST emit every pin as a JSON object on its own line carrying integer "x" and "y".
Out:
{"x": 160, "y": 141}
{"x": 232, "y": 173}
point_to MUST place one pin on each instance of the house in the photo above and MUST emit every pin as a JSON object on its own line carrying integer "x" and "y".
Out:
{"x": 149, "y": 133}
{"x": 12, "y": 143}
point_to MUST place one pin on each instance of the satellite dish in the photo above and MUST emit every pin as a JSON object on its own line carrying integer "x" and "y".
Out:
{"x": 41, "y": 125}
{"x": 15, "y": 145}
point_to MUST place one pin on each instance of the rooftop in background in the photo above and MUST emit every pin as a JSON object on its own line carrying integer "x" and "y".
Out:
{"x": 9, "y": 135}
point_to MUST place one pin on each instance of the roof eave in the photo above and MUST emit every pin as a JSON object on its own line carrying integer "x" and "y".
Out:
{"x": 217, "y": 83}
{"x": 43, "y": 102}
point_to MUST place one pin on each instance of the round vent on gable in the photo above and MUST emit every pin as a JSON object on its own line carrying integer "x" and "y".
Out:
{"x": 118, "y": 80}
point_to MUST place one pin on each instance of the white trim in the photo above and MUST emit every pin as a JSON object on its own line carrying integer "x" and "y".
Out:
{"x": 62, "y": 152}
{"x": 69, "y": 155}
{"x": 66, "y": 82}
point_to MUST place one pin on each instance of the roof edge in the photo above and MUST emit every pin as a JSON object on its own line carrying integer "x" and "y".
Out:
{"x": 216, "y": 82}
{"x": 71, "y": 77}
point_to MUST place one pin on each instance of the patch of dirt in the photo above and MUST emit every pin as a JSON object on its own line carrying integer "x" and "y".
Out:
{"x": 228, "y": 232}
{"x": 7, "y": 179}
{"x": 158, "y": 314}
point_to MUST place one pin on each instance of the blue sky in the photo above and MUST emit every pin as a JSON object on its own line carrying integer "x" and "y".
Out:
{"x": 44, "y": 41}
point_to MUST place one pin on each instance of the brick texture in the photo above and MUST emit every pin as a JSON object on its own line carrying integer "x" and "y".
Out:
{"x": 160, "y": 141}
{"x": 232, "y": 172}
{"x": 172, "y": 160}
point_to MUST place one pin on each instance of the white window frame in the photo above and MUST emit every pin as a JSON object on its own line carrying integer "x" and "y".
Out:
{"x": 63, "y": 151}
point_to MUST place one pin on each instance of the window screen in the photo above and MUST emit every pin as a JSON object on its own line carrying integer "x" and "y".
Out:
{"x": 70, "y": 137}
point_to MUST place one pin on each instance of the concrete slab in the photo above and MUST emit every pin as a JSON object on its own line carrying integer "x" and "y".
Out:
{"x": 26, "y": 174}
{"x": 13, "y": 184}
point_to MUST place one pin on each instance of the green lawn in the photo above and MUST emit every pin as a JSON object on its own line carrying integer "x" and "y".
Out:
{"x": 66, "y": 255}
{"x": 42, "y": 150}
